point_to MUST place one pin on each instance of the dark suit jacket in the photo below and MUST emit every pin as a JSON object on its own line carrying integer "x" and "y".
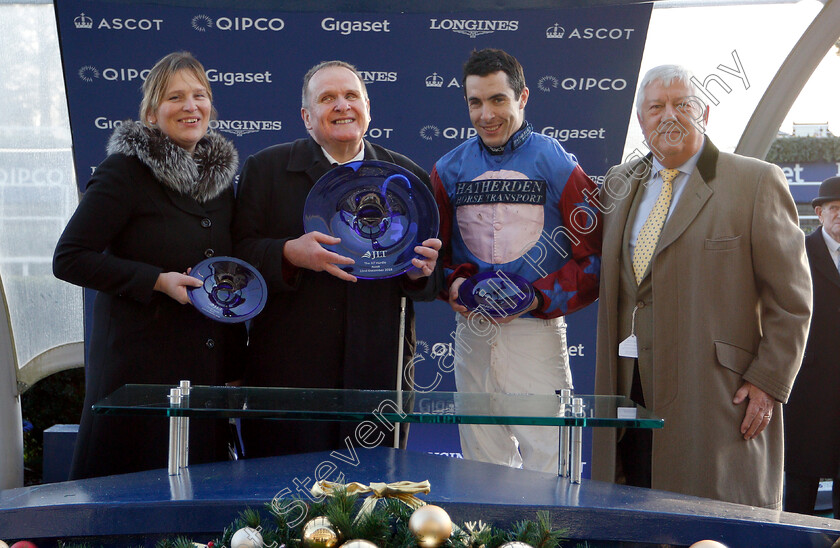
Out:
{"x": 812, "y": 415}
{"x": 316, "y": 330}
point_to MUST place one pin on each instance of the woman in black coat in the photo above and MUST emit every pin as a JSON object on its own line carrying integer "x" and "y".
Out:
{"x": 160, "y": 203}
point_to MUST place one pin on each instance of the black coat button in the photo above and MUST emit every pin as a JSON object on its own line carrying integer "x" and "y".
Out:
{"x": 206, "y": 222}
{"x": 209, "y": 253}
{"x": 211, "y": 344}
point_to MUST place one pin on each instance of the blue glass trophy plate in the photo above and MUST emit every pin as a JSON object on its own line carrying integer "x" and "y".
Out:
{"x": 380, "y": 211}
{"x": 496, "y": 293}
{"x": 233, "y": 290}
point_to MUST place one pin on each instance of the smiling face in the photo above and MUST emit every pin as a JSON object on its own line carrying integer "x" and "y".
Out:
{"x": 337, "y": 113}
{"x": 183, "y": 114}
{"x": 672, "y": 121}
{"x": 495, "y": 111}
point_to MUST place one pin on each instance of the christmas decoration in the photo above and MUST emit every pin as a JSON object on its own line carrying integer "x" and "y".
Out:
{"x": 707, "y": 544}
{"x": 359, "y": 543}
{"x": 319, "y": 532}
{"x": 3, "y": 544}
{"x": 516, "y": 544}
{"x": 247, "y": 537}
{"x": 401, "y": 490}
{"x": 430, "y": 525}
{"x": 23, "y": 544}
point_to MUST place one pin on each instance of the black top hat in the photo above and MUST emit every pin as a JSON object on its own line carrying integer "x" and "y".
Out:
{"x": 829, "y": 192}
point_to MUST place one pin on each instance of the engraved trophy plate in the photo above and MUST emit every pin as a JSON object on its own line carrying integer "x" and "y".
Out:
{"x": 380, "y": 211}
{"x": 496, "y": 293}
{"x": 233, "y": 290}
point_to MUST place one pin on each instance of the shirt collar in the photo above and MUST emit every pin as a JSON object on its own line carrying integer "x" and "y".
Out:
{"x": 356, "y": 158}
{"x": 687, "y": 167}
{"x": 516, "y": 140}
{"x": 830, "y": 242}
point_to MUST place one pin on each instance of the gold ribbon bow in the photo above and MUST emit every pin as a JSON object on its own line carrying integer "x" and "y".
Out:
{"x": 400, "y": 490}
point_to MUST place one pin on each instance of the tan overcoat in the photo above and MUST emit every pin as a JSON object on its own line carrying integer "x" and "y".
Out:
{"x": 727, "y": 299}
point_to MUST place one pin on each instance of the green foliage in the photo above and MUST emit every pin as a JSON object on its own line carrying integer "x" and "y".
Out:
{"x": 385, "y": 526}
{"x": 789, "y": 150}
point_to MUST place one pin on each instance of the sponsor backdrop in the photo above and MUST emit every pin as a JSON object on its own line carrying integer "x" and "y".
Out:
{"x": 581, "y": 66}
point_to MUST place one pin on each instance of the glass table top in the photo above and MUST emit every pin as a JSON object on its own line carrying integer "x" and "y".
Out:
{"x": 360, "y": 405}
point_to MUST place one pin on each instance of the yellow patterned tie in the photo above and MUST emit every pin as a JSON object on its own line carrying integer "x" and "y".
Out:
{"x": 649, "y": 235}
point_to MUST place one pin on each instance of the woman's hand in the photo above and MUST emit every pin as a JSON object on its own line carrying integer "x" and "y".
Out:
{"x": 175, "y": 285}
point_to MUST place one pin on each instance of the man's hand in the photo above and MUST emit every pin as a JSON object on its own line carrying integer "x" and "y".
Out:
{"x": 307, "y": 252}
{"x": 453, "y": 298}
{"x": 429, "y": 249}
{"x": 175, "y": 285}
{"x": 759, "y": 410}
{"x": 507, "y": 319}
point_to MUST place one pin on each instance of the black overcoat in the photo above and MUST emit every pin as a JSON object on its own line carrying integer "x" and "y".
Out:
{"x": 316, "y": 330}
{"x": 812, "y": 415}
{"x": 127, "y": 229}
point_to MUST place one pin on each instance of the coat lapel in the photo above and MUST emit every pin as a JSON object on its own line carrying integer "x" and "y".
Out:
{"x": 695, "y": 195}
{"x": 820, "y": 258}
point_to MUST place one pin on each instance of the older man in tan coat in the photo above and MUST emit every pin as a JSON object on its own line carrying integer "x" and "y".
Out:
{"x": 704, "y": 307}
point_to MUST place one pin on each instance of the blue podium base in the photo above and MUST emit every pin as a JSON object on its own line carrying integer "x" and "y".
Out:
{"x": 138, "y": 509}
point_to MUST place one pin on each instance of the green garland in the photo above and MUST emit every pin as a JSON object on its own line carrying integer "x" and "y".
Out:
{"x": 385, "y": 526}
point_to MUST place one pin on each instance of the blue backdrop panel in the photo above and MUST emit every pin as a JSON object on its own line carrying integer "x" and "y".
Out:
{"x": 581, "y": 65}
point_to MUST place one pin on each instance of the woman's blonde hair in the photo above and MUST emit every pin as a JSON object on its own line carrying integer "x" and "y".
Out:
{"x": 158, "y": 79}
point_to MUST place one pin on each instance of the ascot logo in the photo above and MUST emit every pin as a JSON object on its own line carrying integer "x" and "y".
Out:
{"x": 117, "y": 23}
{"x": 202, "y": 23}
{"x": 588, "y": 33}
{"x": 245, "y": 127}
{"x": 473, "y": 27}
{"x": 555, "y": 31}
{"x": 88, "y": 73}
{"x": 434, "y": 81}
{"x": 83, "y": 22}
{"x": 547, "y": 83}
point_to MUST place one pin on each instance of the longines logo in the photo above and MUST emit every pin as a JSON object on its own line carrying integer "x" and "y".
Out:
{"x": 372, "y": 76}
{"x": 244, "y": 127}
{"x": 549, "y": 82}
{"x": 332, "y": 24}
{"x": 473, "y": 27}
{"x": 555, "y": 31}
{"x": 117, "y": 23}
{"x": 429, "y": 132}
{"x": 202, "y": 23}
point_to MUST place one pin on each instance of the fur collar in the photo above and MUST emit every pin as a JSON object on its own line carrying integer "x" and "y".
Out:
{"x": 203, "y": 176}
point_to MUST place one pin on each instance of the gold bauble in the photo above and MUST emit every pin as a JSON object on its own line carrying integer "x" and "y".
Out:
{"x": 516, "y": 544}
{"x": 358, "y": 543}
{"x": 320, "y": 533}
{"x": 430, "y": 525}
{"x": 707, "y": 544}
